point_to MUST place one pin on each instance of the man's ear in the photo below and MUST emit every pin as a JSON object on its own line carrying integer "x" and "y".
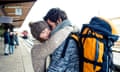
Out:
{"x": 59, "y": 20}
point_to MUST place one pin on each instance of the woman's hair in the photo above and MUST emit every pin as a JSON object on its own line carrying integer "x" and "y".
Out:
{"x": 54, "y": 14}
{"x": 36, "y": 28}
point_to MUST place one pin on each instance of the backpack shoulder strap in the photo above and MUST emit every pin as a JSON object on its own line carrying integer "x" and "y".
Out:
{"x": 75, "y": 36}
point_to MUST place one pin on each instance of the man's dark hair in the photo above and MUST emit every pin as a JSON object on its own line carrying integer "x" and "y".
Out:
{"x": 54, "y": 14}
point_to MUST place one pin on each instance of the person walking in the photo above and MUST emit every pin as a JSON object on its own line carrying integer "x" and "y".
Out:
{"x": 16, "y": 39}
{"x": 6, "y": 41}
{"x": 12, "y": 40}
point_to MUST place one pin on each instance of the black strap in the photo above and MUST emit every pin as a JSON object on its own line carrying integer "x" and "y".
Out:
{"x": 65, "y": 47}
{"x": 66, "y": 43}
{"x": 92, "y": 62}
{"x": 81, "y": 52}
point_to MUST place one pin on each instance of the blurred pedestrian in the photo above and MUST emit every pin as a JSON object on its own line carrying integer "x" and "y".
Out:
{"x": 16, "y": 39}
{"x": 12, "y": 40}
{"x": 6, "y": 42}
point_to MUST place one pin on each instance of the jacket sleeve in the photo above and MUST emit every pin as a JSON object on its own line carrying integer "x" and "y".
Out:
{"x": 71, "y": 49}
{"x": 72, "y": 53}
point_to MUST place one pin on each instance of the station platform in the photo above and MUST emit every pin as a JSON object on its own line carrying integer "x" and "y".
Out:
{"x": 20, "y": 61}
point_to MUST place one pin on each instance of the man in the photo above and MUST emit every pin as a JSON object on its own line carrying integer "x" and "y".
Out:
{"x": 6, "y": 42}
{"x": 61, "y": 28}
{"x": 56, "y": 16}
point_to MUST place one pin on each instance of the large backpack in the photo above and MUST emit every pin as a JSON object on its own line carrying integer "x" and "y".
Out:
{"x": 96, "y": 40}
{"x": 94, "y": 45}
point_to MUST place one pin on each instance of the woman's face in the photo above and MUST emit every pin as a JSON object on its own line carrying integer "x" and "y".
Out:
{"x": 45, "y": 34}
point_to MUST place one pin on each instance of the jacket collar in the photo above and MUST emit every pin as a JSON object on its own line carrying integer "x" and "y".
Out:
{"x": 61, "y": 26}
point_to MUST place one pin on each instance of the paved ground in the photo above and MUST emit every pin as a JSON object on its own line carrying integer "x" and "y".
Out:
{"x": 20, "y": 61}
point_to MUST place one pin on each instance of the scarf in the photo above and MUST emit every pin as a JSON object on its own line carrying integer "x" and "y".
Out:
{"x": 61, "y": 26}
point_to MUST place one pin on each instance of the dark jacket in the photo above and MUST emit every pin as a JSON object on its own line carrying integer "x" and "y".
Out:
{"x": 16, "y": 39}
{"x": 6, "y": 37}
{"x": 12, "y": 39}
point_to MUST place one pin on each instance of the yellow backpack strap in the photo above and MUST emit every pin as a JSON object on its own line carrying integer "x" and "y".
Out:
{"x": 75, "y": 37}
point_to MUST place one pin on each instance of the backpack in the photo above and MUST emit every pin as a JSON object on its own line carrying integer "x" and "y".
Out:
{"x": 93, "y": 51}
{"x": 96, "y": 41}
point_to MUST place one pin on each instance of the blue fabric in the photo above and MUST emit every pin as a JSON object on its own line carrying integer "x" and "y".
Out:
{"x": 69, "y": 63}
{"x": 97, "y": 53}
{"x": 61, "y": 26}
{"x": 102, "y": 27}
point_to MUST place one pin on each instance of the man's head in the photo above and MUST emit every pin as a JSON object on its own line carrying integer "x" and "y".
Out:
{"x": 54, "y": 17}
{"x": 40, "y": 30}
